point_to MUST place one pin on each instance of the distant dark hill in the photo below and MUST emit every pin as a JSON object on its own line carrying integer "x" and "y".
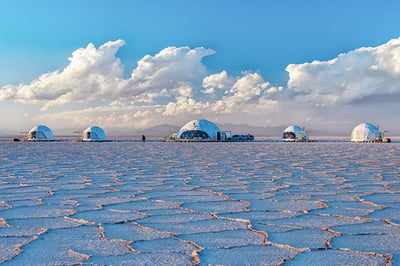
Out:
{"x": 166, "y": 129}
{"x": 254, "y": 130}
{"x": 160, "y": 130}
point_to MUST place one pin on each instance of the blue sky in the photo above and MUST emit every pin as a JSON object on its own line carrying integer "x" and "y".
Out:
{"x": 246, "y": 37}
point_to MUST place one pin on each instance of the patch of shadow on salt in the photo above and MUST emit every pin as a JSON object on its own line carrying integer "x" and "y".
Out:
{"x": 47, "y": 223}
{"x": 216, "y": 207}
{"x": 335, "y": 257}
{"x": 8, "y": 246}
{"x": 206, "y": 226}
{"x": 144, "y": 259}
{"x": 225, "y": 239}
{"x": 382, "y": 244}
{"x": 303, "y": 238}
{"x": 248, "y": 255}
{"x": 132, "y": 232}
{"x": 178, "y": 218}
{"x": 107, "y": 216}
{"x": 163, "y": 245}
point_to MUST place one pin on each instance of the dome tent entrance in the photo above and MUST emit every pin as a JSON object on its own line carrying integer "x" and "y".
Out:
{"x": 93, "y": 133}
{"x": 40, "y": 133}
{"x": 198, "y": 129}
{"x": 366, "y": 132}
{"x": 294, "y": 133}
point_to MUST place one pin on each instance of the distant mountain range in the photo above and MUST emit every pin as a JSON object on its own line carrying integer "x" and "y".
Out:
{"x": 164, "y": 130}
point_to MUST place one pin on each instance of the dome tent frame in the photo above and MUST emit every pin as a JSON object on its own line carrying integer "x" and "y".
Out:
{"x": 93, "y": 134}
{"x": 367, "y": 132}
{"x": 294, "y": 133}
{"x": 198, "y": 129}
{"x": 40, "y": 133}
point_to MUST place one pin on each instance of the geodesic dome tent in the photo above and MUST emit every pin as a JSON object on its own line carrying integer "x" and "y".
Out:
{"x": 366, "y": 132}
{"x": 198, "y": 129}
{"x": 40, "y": 133}
{"x": 93, "y": 133}
{"x": 292, "y": 133}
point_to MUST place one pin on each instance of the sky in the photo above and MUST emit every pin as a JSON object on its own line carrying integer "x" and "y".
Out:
{"x": 325, "y": 65}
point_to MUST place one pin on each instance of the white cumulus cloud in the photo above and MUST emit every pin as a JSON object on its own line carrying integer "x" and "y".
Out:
{"x": 367, "y": 74}
{"x": 96, "y": 74}
{"x": 174, "y": 86}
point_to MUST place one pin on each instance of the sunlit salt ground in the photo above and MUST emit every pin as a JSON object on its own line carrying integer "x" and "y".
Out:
{"x": 131, "y": 203}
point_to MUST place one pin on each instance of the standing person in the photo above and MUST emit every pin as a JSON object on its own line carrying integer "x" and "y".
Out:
{"x": 143, "y": 138}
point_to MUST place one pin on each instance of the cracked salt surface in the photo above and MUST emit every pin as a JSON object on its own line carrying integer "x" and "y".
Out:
{"x": 199, "y": 203}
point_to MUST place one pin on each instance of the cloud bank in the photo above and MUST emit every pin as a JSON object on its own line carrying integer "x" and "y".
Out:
{"x": 367, "y": 74}
{"x": 174, "y": 86}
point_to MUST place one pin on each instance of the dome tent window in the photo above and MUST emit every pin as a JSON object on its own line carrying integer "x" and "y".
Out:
{"x": 289, "y": 135}
{"x": 194, "y": 134}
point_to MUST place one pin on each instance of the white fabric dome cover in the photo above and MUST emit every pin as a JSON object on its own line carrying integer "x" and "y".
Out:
{"x": 93, "y": 133}
{"x": 298, "y": 132}
{"x": 40, "y": 133}
{"x": 199, "y": 126}
{"x": 365, "y": 132}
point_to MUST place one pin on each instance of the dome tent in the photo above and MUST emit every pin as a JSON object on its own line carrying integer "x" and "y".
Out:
{"x": 93, "y": 133}
{"x": 198, "y": 129}
{"x": 366, "y": 132}
{"x": 40, "y": 133}
{"x": 294, "y": 133}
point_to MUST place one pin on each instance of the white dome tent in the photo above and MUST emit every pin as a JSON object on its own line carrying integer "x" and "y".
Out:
{"x": 40, "y": 133}
{"x": 366, "y": 132}
{"x": 198, "y": 129}
{"x": 294, "y": 133}
{"x": 93, "y": 133}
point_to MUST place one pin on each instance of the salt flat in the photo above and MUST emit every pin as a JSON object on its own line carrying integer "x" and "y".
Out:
{"x": 258, "y": 203}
